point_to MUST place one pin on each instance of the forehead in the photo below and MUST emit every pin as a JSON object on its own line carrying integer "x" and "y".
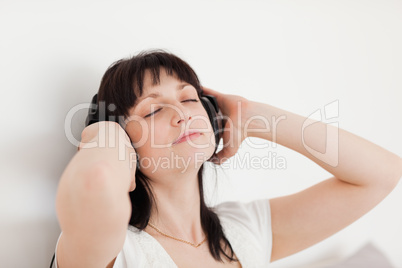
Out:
{"x": 154, "y": 82}
{"x": 155, "y": 86}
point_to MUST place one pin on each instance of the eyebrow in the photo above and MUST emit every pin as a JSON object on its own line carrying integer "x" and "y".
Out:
{"x": 157, "y": 95}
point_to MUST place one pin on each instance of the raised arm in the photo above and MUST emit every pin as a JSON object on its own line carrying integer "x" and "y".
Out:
{"x": 92, "y": 203}
{"x": 348, "y": 157}
{"x": 363, "y": 172}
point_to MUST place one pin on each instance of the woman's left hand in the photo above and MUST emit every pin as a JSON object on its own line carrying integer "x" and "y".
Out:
{"x": 234, "y": 109}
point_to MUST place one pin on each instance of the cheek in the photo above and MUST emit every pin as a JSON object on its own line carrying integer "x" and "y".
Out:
{"x": 151, "y": 136}
{"x": 142, "y": 133}
{"x": 159, "y": 131}
{"x": 202, "y": 122}
{"x": 138, "y": 132}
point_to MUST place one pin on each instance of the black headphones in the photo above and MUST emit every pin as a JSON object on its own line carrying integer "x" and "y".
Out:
{"x": 208, "y": 101}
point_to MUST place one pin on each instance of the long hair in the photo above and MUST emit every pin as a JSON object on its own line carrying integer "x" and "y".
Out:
{"x": 121, "y": 85}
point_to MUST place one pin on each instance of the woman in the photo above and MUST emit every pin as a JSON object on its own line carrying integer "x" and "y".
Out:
{"x": 157, "y": 188}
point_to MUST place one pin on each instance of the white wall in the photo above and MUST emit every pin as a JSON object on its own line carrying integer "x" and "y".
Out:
{"x": 299, "y": 56}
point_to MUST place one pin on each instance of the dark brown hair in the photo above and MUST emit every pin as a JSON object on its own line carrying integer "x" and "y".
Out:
{"x": 121, "y": 85}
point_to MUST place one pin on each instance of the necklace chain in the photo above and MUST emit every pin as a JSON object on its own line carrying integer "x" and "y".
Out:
{"x": 178, "y": 239}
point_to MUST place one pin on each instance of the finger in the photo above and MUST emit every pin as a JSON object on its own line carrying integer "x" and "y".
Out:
{"x": 211, "y": 92}
{"x": 219, "y": 96}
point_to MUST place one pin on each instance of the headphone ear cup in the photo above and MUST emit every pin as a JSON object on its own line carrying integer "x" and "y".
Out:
{"x": 215, "y": 116}
{"x": 93, "y": 112}
{"x": 95, "y": 116}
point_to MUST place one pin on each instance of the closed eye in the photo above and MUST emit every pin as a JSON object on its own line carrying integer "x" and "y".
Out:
{"x": 194, "y": 100}
{"x": 189, "y": 100}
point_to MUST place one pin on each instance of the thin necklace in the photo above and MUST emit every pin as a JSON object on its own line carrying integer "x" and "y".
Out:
{"x": 178, "y": 239}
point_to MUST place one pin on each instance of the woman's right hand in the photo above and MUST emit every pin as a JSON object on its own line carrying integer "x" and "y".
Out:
{"x": 108, "y": 134}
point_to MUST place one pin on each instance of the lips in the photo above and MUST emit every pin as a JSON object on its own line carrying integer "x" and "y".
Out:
{"x": 188, "y": 135}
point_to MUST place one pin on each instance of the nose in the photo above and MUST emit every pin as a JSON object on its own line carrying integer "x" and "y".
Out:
{"x": 180, "y": 117}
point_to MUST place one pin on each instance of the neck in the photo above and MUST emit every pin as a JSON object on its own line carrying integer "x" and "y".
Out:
{"x": 178, "y": 201}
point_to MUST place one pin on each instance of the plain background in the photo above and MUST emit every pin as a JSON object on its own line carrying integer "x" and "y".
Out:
{"x": 296, "y": 55}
